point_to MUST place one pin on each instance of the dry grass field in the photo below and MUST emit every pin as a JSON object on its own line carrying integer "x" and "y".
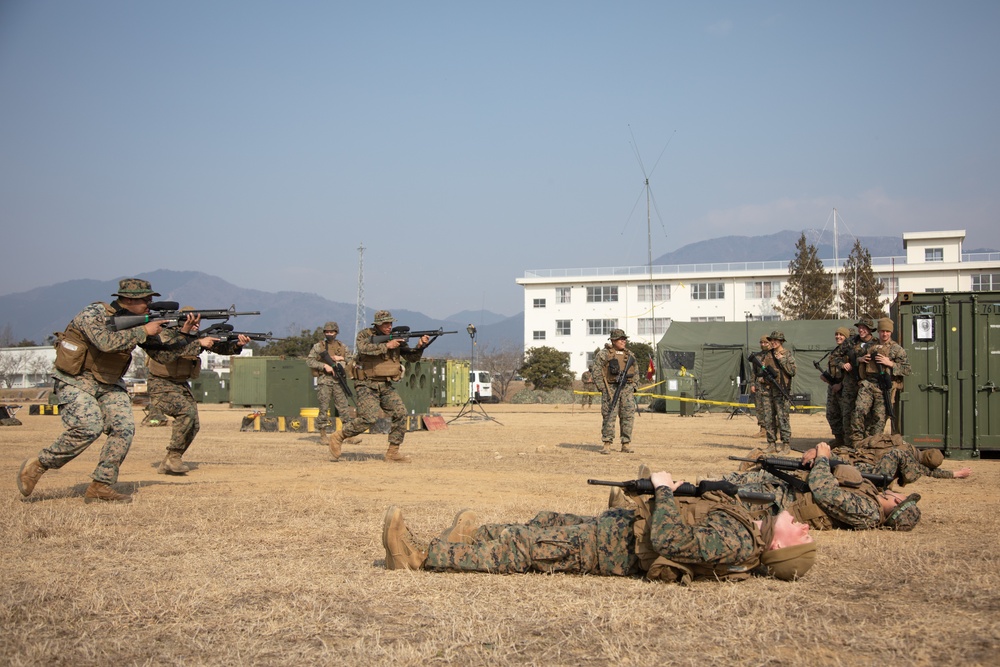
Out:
{"x": 268, "y": 554}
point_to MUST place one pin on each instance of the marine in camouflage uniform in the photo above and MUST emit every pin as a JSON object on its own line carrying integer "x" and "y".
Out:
{"x": 327, "y": 386}
{"x": 91, "y": 360}
{"x": 173, "y": 360}
{"x": 376, "y": 368}
{"x": 609, "y": 362}
{"x": 588, "y": 385}
{"x": 854, "y": 349}
{"x": 755, "y": 386}
{"x": 776, "y": 406}
{"x": 829, "y": 500}
{"x": 835, "y": 370}
{"x": 718, "y": 540}
{"x": 885, "y": 356}
{"x": 891, "y": 456}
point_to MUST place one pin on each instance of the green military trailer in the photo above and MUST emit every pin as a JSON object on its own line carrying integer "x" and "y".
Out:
{"x": 951, "y": 400}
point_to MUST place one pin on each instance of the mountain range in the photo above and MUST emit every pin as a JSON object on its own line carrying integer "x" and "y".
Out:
{"x": 38, "y": 313}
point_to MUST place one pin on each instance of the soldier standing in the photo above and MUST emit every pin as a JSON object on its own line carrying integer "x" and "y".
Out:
{"x": 91, "y": 360}
{"x": 173, "y": 360}
{"x": 590, "y": 386}
{"x": 855, "y": 349}
{"x": 835, "y": 384}
{"x": 327, "y": 385}
{"x": 885, "y": 357}
{"x": 755, "y": 385}
{"x": 610, "y": 364}
{"x": 377, "y": 367}
{"x": 781, "y": 363}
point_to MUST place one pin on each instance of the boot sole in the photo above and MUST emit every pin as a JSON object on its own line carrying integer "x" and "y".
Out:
{"x": 390, "y": 516}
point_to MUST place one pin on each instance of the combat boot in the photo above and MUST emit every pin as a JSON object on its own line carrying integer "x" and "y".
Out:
{"x": 784, "y": 448}
{"x": 29, "y": 474}
{"x": 755, "y": 453}
{"x": 762, "y": 433}
{"x": 324, "y": 436}
{"x": 626, "y": 449}
{"x": 101, "y": 492}
{"x": 172, "y": 465}
{"x": 401, "y": 552}
{"x": 392, "y": 455}
{"x": 617, "y": 500}
{"x": 462, "y": 528}
{"x": 335, "y": 441}
{"x": 352, "y": 441}
{"x": 606, "y": 448}
{"x": 644, "y": 472}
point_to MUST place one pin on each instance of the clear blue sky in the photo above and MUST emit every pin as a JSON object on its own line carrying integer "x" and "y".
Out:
{"x": 464, "y": 142}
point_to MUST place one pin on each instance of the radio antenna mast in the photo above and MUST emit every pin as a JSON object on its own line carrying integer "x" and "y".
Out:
{"x": 359, "y": 319}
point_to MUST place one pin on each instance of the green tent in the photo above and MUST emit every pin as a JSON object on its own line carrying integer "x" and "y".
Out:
{"x": 707, "y": 360}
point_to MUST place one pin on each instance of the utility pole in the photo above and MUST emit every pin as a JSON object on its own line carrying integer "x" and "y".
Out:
{"x": 359, "y": 319}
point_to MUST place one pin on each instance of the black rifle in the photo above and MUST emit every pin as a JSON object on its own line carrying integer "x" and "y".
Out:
{"x": 884, "y": 381}
{"x": 776, "y": 465}
{"x": 829, "y": 379}
{"x": 405, "y": 333}
{"x": 338, "y": 372}
{"x": 622, "y": 379}
{"x": 644, "y": 487}
{"x": 761, "y": 370}
{"x": 225, "y": 333}
{"x": 170, "y": 311}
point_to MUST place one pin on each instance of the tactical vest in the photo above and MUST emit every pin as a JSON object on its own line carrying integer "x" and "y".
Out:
{"x": 336, "y": 348}
{"x": 616, "y": 363}
{"x": 783, "y": 378}
{"x": 75, "y": 354}
{"x": 385, "y": 367}
{"x": 871, "y": 369}
{"x": 693, "y": 511}
{"x": 180, "y": 369}
{"x": 805, "y": 509}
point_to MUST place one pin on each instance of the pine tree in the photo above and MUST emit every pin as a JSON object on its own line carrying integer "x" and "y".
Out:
{"x": 861, "y": 290}
{"x": 809, "y": 293}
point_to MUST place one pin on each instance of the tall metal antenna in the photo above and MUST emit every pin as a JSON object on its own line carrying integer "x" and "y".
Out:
{"x": 360, "y": 319}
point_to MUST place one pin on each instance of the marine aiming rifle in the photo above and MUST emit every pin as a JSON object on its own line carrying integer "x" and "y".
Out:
{"x": 768, "y": 373}
{"x": 225, "y": 333}
{"x": 338, "y": 372}
{"x": 644, "y": 487}
{"x": 622, "y": 380}
{"x": 777, "y": 465}
{"x": 404, "y": 333}
{"x": 170, "y": 311}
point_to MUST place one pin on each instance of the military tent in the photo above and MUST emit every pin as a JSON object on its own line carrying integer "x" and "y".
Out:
{"x": 707, "y": 360}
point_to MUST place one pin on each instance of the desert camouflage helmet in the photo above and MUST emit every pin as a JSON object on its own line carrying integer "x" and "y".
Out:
{"x": 906, "y": 515}
{"x": 331, "y": 326}
{"x": 383, "y": 316}
{"x": 777, "y": 335}
{"x": 134, "y": 288}
{"x": 617, "y": 334}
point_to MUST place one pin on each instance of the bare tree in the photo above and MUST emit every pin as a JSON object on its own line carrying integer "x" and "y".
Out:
{"x": 12, "y": 367}
{"x": 503, "y": 362}
{"x": 38, "y": 364}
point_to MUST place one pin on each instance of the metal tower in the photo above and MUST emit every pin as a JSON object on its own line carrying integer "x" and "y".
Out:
{"x": 360, "y": 319}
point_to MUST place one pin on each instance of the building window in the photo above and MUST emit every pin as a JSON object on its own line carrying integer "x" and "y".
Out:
{"x": 708, "y": 319}
{"x": 890, "y": 287}
{"x": 562, "y": 294}
{"x": 602, "y": 294}
{"x": 935, "y": 290}
{"x": 763, "y": 289}
{"x": 562, "y": 328}
{"x": 703, "y": 291}
{"x": 933, "y": 254}
{"x": 590, "y": 359}
{"x": 538, "y": 303}
{"x": 653, "y": 326}
{"x": 985, "y": 282}
{"x": 601, "y": 327}
{"x": 538, "y": 335}
{"x": 649, "y": 293}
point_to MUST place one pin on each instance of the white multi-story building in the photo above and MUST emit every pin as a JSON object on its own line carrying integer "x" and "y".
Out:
{"x": 574, "y": 310}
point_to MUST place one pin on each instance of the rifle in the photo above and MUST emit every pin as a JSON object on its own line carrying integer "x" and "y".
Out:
{"x": 224, "y": 332}
{"x": 644, "y": 487}
{"x": 768, "y": 373}
{"x": 829, "y": 379}
{"x": 169, "y": 310}
{"x": 884, "y": 381}
{"x": 776, "y": 465}
{"x": 405, "y": 333}
{"x": 338, "y": 372}
{"x": 622, "y": 379}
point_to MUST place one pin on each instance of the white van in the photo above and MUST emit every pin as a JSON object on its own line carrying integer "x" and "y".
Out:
{"x": 480, "y": 387}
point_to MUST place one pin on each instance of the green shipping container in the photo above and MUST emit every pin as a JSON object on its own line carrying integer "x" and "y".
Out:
{"x": 281, "y": 386}
{"x": 210, "y": 387}
{"x": 416, "y": 386}
{"x": 951, "y": 399}
{"x": 449, "y": 382}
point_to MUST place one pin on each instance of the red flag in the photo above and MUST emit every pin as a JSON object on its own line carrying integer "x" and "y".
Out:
{"x": 651, "y": 371}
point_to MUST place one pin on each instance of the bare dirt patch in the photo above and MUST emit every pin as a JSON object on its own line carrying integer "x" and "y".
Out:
{"x": 267, "y": 553}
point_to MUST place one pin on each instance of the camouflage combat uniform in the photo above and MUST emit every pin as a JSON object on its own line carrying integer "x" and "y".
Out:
{"x": 327, "y": 386}
{"x": 607, "y": 366}
{"x": 376, "y": 368}
{"x": 173, "y": 361}
{"x": 834, "y": 406}
{"x": 607, "y": 544}
{"x": 869, "y": 413}
{"x": 854, "y": 349}
{"x": 891, "y": 456}
{"x": 776, "y": 406}
{"x": 90, "y": 406}
{"x": 588, "y": 385}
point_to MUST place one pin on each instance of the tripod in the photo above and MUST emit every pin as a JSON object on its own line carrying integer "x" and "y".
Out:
{"x": 470, "y": 407}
